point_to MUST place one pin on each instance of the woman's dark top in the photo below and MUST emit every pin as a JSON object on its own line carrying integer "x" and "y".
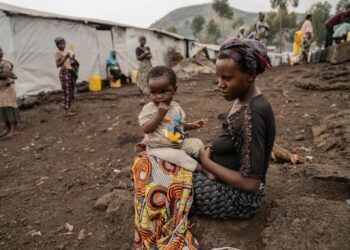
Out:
{"x": 246, "y": 139}
{"x": 140, "y": 51}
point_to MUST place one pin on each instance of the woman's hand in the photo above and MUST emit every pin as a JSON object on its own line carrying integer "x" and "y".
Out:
{"x": 205, "y": 155}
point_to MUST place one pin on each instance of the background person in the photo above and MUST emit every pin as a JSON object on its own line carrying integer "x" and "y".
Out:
{"x": 143, "y": 55}
{"x": 9, "y": 113}
{"x": 308, "y": 34}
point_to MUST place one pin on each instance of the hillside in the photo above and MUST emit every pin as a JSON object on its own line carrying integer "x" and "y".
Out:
{"x": 181, "y": 19}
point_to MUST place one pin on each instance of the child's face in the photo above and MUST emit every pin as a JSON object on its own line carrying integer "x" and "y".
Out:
{"x": 161, "y": 90}
{"x": 62, "y": 45}
{"x": 142, "y": 41}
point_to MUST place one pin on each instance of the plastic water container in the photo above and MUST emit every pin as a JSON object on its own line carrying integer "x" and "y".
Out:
{"x": 95, "y": 83}
{"x": 298, "y": 36}
{"x": 297, "y": 42}
{"x": 115, "y": 84}
{"x": 296, "y": 49}
{"x": 134, "y": 76}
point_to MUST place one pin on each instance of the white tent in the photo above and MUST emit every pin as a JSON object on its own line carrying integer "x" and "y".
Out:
{"x": 27, "y": 38}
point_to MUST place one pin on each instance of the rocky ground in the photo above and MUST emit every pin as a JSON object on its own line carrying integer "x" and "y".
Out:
{"x": 52, "y": 173}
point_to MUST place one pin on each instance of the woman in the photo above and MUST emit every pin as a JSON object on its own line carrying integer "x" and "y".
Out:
{"x": 67, "y": 74}
{"x": 240, "y": 153}
{"x": 239, "y": 158}
{"x": 143, "y": 55}
{"x": 308, "y": 33}
{"x": 9, "y": 113}
{"x": 113, "y": 66}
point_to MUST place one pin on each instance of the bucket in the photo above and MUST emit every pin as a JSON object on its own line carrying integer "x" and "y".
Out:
{"x": 115, "y": 84}
{"x": 134, "y": 76}
{"x": 95, "y": 83}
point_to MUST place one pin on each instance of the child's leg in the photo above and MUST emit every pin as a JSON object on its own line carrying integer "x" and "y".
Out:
{"x": 192, "y": 146}
{"x": 176, "y": 156}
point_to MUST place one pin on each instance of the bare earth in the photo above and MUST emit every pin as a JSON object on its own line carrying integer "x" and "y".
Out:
{"x": 53, "y": 173}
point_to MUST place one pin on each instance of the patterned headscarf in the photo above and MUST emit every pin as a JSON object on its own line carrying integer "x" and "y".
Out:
{"x": 253, "y": 52}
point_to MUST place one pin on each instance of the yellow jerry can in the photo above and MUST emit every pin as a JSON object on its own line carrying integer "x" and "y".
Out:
{"x": 134, "y": 76}
{"x": 115, "y": 84}
{"x": 95, "y": 83}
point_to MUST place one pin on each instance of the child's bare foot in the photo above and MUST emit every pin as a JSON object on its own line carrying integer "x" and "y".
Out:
{"x": 4, "y": 132}
{"x": 199, "y": 168}
{"x": 209, "y": 175}
{"x": 11, "y": 134}
{"x": 71, "y": 113}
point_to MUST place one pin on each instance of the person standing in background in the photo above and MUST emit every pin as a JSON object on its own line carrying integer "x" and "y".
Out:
{"x": 9, "y": 113}
{"x": 66, "y": 75}
{"x": 143, "y": 55}
{"x": 308, "y": 34}
{"x": 333, "y": 21}
{"x": 262, "y": 29}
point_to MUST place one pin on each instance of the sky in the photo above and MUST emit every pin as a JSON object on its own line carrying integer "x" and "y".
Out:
{"x": 141, "y": 13}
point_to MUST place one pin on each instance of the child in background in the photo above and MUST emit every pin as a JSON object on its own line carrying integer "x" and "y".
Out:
{"x": 66, "y": 75}
{"x": 163, "y": 122}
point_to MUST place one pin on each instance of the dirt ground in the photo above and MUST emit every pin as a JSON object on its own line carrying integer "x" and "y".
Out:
{"x": 55, "y": 170}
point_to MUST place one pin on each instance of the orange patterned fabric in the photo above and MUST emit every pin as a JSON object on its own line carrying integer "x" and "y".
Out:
{"x": 163, "y": 198}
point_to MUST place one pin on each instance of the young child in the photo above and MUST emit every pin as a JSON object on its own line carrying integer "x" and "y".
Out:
{"x": 66, "y": 75}
{"x": 163, "y": 122}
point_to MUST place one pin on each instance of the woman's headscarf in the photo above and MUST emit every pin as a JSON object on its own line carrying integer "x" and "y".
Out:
{"x": 253, "y": 52}
{"x": 58, "y": 40}
{"x": 112, "y": 59}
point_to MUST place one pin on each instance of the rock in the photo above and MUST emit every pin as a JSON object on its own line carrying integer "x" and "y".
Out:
{"x": 300, "y": 138}
{"x": 103, "y": 202}
{"x": 82, "y": 234}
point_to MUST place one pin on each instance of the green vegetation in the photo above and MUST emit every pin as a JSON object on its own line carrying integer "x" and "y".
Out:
{"x": 224, "y": 11}
{"x": 286, "y": 21}
{"x": 197, "y": 25}
{"x": 239, "y": 22}
{"x": 213, "y": 32}
{"x": 320, "y": 13}
{"x": 341, "y": 5}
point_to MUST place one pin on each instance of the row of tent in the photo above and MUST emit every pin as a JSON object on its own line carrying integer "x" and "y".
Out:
{"x": 27, "y": 38}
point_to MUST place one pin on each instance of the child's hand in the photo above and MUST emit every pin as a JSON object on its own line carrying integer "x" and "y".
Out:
{"x": 200, "y": 123}
{"x": 163, "y": 109}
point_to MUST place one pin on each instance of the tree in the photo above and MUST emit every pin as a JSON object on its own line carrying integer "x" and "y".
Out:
{"x": 341, "y": 5}
{"x": 287, "y": 20}
{"x": 224, "y": 11}
{"x": 172, "y": 29}
{"x": 197, "y": 25}
{"x": 320, "y": 13}
{"x": 239, "y": 22}
{"x": 282, "y": 6}
{"x": 213, "y": 32}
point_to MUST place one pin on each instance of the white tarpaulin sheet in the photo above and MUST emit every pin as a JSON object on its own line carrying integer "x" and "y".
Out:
{"x": 33, "y": 52}
{"x": 28, "y": 42}
{"x": 105, "y": 45}
{"x": 6, "y": 33}
{"x": 126, "y": 42}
